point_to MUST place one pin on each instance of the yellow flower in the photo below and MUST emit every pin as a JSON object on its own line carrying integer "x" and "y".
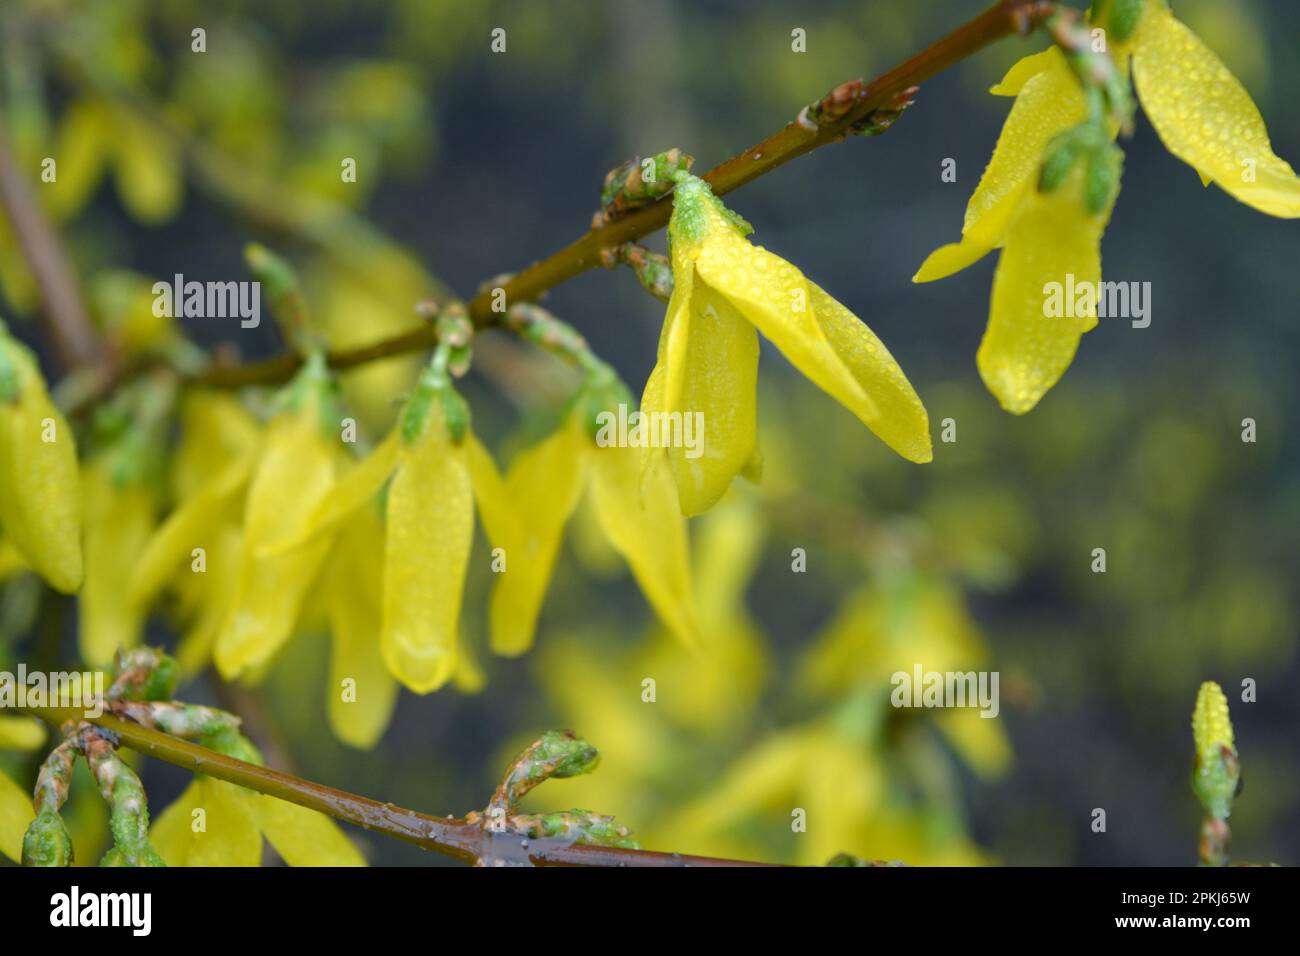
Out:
{"x": 1205, "y": 117}
{"x": 429, "y": 532}
{"x": 119, "y": 520}
{"x": 214, "y": 461}
{"x": 234, "y": 822}
{"x": 15, "y": 816}
{"x": 1202, "y": 115}
{"x": 361, "y": 693}
{"x": 40, "y": 491}
{"x": 20, "y": 733}
{"x": 525, "y": 514}
{"x": 295, "y": 471}
{"x": 725, "y": 288}
{"x": 1044, "y": 237}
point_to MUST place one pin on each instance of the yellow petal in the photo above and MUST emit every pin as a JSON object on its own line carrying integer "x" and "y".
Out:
{"x": 293, "y": 477}
{"x": 1049, "y": 102}
{"x": 361, "y": 692}
{"x": 147, "y": 169}
{"x": 40, "y": 489}
{"x": 225, "y": 833}
{"x": 216, "y": 430}
{"x": 119, "y": 521}
{"x": 1022, "y": 71}
{"x": 544, "y": 483}
{"x": 15, "y": 816}
{"x": 193, "y": 524}
{"x": 1024, "y": 351}
{"x": 356, "y": 488}
{"x": 1206, "y": 118}
{"x": 85, "y": 139}
{"x": 304, "y": 837}
{"x": 206, "y": 597}
{"x": 644, "y": 523}
{"x": 710, "y": 379}
{"x": 430, "y": 530}
{"x": 821, "y": 338}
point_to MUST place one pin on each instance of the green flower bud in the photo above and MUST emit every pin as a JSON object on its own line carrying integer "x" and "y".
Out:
{"x": 1217, "y": 772}
{"x": 47, "y": 841}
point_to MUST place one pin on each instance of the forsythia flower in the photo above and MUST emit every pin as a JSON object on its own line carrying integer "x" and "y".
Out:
{"x": 1202, "y": 115}
{"x": 21, "y": 733}
{"x": 724, "y": 290}
{"x": 213, "y": 464}
{"x": 525, "y": 514}
{"x": 40, "y": 491}
{"x": 235, "y": 820}
{"x": 1044, "y": 237}
{"x": 294, "y": 473}
{"x": 120, "y": 518}
{"x": 430, "y": 529}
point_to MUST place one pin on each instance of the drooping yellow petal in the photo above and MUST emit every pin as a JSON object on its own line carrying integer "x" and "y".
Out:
{"x": 119, "y": 521}
{"x": 430, "y": 530}
{"x": 543, "y": 484}
{"x": 706, "y": 385}
{"x": 356, "y": 488}
{"x": 643, "y": 520}
{"x": 147, "y": 168}
{"x": 15, "y": 815}
{"x": 304, "y": 837}
{"x": 500, "y": 517}
{"x": 1049, "y": 102}
{"x": 212, "y": 823}
{"x": 361, "y": 691}
{"x": 820, "y": 337}
{"x": 205, "y": 598}
{"x": 192, "y": 525}
{"x": 40, "y": 489}
{"x": 1205, "y": 117}
{"x": 216, "y": 430}
{"x": 293, "y": 477}
{"x": 1052, "y": 253}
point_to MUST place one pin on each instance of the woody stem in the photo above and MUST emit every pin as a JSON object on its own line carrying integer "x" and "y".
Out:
{"x": 451, "y": 837}
{"x": 1003, "y": 19}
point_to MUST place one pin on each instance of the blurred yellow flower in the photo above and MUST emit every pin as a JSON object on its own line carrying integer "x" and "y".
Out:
{"x": 235, "y": 820}
{"x": 40, "y": 489}
{"x": 525, "y": 514}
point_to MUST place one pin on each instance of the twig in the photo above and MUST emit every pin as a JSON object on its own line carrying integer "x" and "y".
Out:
{"x": 73, "y": 337}
{"x": 453, "y": 837}
{"x": 854, "y": 103}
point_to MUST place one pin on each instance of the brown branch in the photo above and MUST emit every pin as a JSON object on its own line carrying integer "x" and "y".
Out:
{"x": 66, "y": 320}
{"x": 855, "y": 102}
{"x": 448, "y": 836}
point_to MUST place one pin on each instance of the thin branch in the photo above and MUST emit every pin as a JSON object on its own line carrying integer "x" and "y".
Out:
{"x": 66, "y": 320}
{"x": 795, "y": 139}
{"x": 449, "y": 836}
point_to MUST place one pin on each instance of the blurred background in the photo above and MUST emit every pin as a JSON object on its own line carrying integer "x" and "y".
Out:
{"x": 472, "y": 163}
